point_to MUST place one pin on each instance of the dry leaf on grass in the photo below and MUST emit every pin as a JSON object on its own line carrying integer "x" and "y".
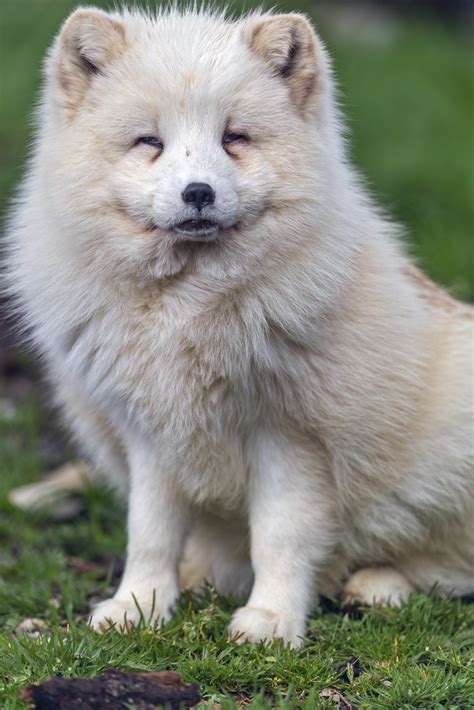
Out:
{"x": 337, "y": 697}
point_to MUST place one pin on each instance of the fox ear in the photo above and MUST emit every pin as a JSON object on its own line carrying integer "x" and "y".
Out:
{"x": 287, "y": 43}
{"x": 88, "y": 41}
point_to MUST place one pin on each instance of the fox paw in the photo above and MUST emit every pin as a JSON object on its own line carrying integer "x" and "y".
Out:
{"x": 251, "y": 625}
{"x": 124, "y": 615}
{"x": 382, "y": 585}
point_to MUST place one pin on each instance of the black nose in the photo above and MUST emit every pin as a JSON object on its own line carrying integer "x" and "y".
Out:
{"x": 198, "y": 194}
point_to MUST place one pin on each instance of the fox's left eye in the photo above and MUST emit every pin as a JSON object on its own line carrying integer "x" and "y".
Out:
{"x": 234, "y": 138}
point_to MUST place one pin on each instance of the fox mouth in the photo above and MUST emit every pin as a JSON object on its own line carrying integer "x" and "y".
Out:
{"x": 197, "y": 229}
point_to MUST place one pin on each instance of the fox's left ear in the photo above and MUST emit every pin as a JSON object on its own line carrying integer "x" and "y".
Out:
{"x": 287, "y": 43}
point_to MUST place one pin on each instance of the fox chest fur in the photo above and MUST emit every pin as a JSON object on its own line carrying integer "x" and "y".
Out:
{"x": 201, "y": 377}
{"x": 192, "y": 385}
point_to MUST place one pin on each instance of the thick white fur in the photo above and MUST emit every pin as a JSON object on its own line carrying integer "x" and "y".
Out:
{"x": 295, "y": 399}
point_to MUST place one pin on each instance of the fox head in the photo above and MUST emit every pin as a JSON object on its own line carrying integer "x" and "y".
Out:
{"x": 184, "y": 138}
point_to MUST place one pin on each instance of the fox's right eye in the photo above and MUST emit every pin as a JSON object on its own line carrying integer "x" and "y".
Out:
{"x": 152, "y": 141}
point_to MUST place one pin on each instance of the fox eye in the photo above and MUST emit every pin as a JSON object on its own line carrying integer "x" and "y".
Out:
{"x": 152, "y": 141}
{"x": 234, "y": 138}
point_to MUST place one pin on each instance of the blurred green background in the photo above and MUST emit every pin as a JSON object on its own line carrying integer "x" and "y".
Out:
{"x": 406, "y": 88}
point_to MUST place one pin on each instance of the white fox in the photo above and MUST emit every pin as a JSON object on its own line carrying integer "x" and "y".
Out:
{"x": 233, "y": 331}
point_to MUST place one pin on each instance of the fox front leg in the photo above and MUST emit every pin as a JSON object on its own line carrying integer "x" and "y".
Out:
{"x": 292, "y": 532}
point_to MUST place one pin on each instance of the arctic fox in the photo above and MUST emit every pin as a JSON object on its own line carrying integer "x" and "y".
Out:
{"x": 233, "y": 331}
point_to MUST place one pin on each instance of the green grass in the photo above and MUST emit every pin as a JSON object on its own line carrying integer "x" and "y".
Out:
{"x": 410, "y": 111}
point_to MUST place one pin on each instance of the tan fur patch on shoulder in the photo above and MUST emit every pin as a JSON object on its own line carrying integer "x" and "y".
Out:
{"x": 435, "y": 295}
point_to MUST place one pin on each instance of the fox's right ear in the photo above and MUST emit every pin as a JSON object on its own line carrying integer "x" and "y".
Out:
{"x": 87, "y": 42}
